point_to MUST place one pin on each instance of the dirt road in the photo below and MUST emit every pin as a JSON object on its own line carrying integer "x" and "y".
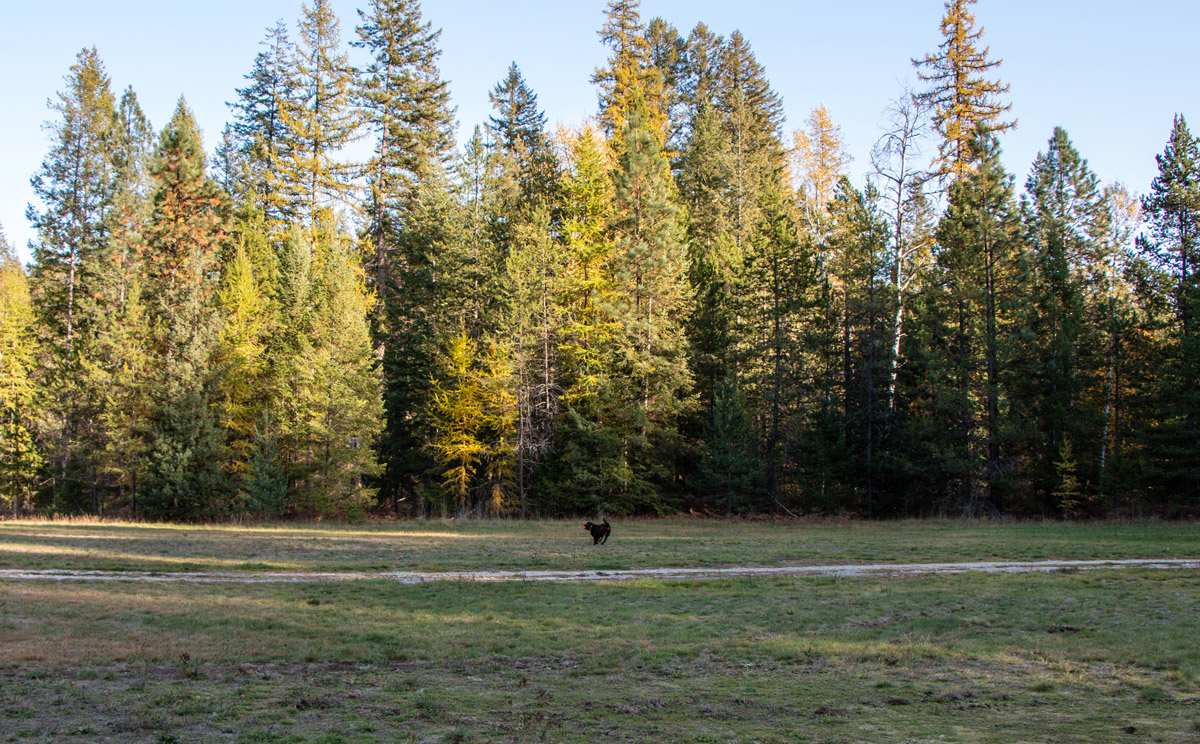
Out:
{"x": 654, "y": 574}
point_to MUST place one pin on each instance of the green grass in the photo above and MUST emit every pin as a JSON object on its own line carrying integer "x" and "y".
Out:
{"x": 563, "y": 545}
{"x": 1091, "y": 656}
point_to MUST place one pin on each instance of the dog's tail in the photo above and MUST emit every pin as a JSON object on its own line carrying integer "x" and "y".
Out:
{"x": 605, "y": 521}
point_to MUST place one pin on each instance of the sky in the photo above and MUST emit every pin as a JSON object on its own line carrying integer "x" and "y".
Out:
{"x": 1113, "y": 73}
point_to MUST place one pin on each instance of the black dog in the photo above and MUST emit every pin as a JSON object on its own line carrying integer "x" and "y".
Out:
{"x": 600, "y": 532}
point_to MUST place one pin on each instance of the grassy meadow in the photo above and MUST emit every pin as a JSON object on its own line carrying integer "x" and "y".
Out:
{"x": 1086, "y": 656}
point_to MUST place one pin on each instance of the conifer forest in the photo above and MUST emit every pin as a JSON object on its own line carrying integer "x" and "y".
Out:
{"x": 675, "y": 307}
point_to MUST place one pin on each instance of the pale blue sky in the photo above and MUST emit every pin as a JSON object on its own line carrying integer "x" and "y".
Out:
{"x": 1112, "y": 73}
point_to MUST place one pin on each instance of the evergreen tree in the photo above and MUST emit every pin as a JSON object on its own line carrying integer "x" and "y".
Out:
{"x": 650, "y": 302}
{"x": 729, "y": 470}
{"x": 533, "y": 324}
{"x": 978, "y": 247}
{"x": 265, "y": 485}
{"x": 259, "y": 128}
{"x": 247, "y": 321}
{"x": 960, "y": 95}
{"x": 668, "y": 54}
{"x": 414, "y": 320}
{"x": 347, "y": 411}
{"x": 406, "y": 107}
{"x": 856, "y": 258}
{"x": 320, "y": 121}
{"x": 75, "y": 184}
{"x": 1172, "y": 250}
{"x": 185, "y": 444}
{"x": 518, "y": 129}
{"x": 1066, "y": 221}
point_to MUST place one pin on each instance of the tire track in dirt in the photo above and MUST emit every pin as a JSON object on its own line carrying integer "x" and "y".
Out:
{"x": 634, "y": 574}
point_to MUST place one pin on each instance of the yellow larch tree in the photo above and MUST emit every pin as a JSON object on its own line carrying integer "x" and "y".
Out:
{"x": 960, "y": 95}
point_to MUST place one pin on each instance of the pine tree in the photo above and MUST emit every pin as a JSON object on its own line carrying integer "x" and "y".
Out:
{"x": 19, "y": 457}
{"x": 320, "y": 122}
{"x": 960, "y": 95}
{"x": 185, "y": 444}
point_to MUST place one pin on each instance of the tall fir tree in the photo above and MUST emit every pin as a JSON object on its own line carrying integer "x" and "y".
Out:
{"x": 407, "y": 111}
{"x": 651, "y": 303}
{"x": 518, "y": 129}
{"x": 347, "y": 411}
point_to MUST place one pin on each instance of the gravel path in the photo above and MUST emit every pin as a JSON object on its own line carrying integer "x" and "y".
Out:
{"x": 657, "y": 574}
